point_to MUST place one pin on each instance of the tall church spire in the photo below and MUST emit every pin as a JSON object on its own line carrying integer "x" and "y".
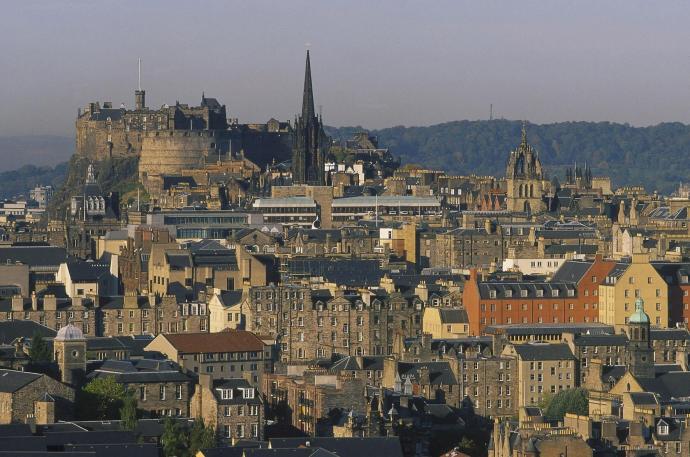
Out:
{"x": 523, "y": 139}
{"x": 308, "y": 111}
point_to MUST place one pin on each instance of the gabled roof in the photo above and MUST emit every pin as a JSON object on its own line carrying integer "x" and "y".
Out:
{"x": 83, "y": 271}
{"x": 672, "y": 384}
{"x": 11, "y": 381}
{"x": 572, "y": 271}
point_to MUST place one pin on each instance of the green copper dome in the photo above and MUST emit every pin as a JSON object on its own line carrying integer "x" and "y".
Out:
{"x": 639, "y": 316}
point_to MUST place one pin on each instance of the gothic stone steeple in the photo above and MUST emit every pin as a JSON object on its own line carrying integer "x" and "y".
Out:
{"x": 525, "y": 178}
{"x": 308, "y": 152}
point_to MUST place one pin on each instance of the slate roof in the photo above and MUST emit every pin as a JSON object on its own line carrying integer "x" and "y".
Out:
{"x": 225, "y": 341}
{"x": 56, "y": 439}
{"x": 439, "y": 372}
{"x": 11, "y": 330}
{"x": 140, "y": 371}
{"x": 178, "y": 260}
{"x": 15, "y": 430}
{"x": 550, "y": 329}
{"x": 554, "y": 249}
{"x": 83, "y": 271}
{"x": 532, "y": 289}
{"x": 11, "y": 381}
{"x": 353, "y": 272}
{"x": 572, "y": 271}
{"x": 234, "y": 384}
{"x": 346, "y": 447}
{"x": 643, "y": 398}
{"x": 453, "y": 316}
{"x": 543, "y": 351}
{"x": 230, "y": 297}
{"x": 673, "y": 384}
{"x": 291, "y": 452}
{"x": 618, "y": 339}
{"x": 33, "y": 255}
{"x": 116, "y": 449}
{"x": 352, "y": 363}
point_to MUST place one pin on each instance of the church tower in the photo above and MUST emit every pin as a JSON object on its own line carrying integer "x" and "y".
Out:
{"x": 640, "y": 354}
{"x": 309, "y": 142}
{"x": 525, "y": 179}
{"x": 69, "y": 349}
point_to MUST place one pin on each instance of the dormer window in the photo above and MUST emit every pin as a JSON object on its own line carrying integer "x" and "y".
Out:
{"x": 248, "y": 393}
{"x": 226, "y": 394}
{"x": 492, "y": 294}
{"x": 523, "y": 293}
{"x": 571, "y": 292}
{"x": 509, "y": 293}
{"x": 662, "y": 428}
{"x": 554, "y": 293}
{"x": 540, "y": 293}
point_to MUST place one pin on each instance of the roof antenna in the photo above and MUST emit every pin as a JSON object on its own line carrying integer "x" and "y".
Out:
{"x": 139, "y": 75}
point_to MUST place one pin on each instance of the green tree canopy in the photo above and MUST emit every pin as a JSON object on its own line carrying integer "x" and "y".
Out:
{"x": 128, "y": 412}
{"x": 40, "y": 351}
{"x": 174, "y": 439}
{"x": 101, "y": 399}
{"x": 567, "y": 401}
{"x": 201, "y": 437}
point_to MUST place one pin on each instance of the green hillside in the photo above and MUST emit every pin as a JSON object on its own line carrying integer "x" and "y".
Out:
{"x": 657, "y": 157}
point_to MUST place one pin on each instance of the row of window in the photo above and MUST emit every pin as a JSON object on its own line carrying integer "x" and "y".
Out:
{"x": 253, "y": 410}
{"x": 162, "y": 392}
{"x": 525, "y": 306}
{"x": 239, "y": 431}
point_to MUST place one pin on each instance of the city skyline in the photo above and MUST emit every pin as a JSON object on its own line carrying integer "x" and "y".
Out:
{"x": 620, "y": 61}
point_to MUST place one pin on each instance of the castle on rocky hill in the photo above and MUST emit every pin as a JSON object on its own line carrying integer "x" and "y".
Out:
{"x": 177, "y": 136}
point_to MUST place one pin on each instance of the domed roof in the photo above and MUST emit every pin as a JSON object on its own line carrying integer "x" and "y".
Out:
{"x": 639, "y": 316}
{"x": 69, "y": 332}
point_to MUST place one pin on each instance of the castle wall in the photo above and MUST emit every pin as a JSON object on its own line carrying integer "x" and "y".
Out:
{"x": 170, "y": 152}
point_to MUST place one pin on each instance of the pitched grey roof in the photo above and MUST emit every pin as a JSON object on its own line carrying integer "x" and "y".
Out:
{"x": 572, "y": 271}
{"x": 140, "y": 371}
{"x": 33, "y": 255}
{"x": 346, "y": 447}
{"x": 527, "y": 289}
{"x": 673, "y": 384}
{"x": 11, "y": 330}
{"x": 11, "y": 381}
{"x": 83, "y": 271}
{"x": 543, "y": 351}
{"x": 453, "y": 316}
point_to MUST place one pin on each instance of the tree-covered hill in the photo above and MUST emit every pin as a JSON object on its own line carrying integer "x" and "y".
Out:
{"x": 657, "y": 157}
{"x": 20, "y": 181}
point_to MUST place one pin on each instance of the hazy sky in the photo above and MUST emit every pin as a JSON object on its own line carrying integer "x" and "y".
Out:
{"x": 375, "y": 63}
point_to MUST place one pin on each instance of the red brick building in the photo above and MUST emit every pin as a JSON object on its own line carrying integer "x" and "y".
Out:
{"x": 570, "y": 296}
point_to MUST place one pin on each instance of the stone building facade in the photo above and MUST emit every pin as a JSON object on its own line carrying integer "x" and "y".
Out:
{"x": 311, "y": 324}
{"x": 25, "y": 395}
{"x": 233, "y": 405}
{"x": 304, "y": 400}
